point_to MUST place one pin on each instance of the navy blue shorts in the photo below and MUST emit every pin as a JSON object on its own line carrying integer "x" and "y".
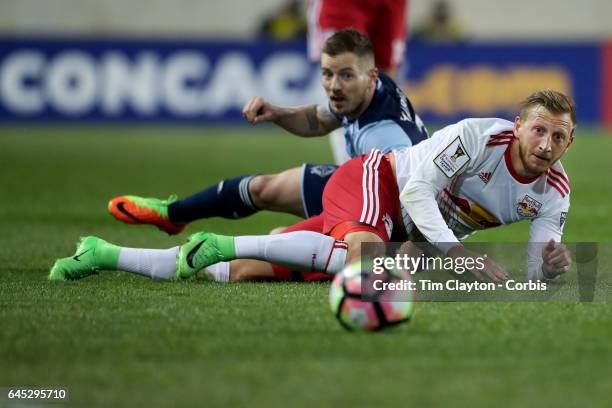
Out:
{"x": 314, "y": 178}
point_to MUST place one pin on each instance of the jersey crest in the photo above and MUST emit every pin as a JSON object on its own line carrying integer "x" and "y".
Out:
{"x": 528, "y": 207}
{"x": 322, "y": 170}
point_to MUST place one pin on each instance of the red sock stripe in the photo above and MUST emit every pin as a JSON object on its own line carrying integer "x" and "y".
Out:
{"x": 337, "y": 245}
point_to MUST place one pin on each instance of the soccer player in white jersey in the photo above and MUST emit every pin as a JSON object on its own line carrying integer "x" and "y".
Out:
{"x": 475, "y": 174}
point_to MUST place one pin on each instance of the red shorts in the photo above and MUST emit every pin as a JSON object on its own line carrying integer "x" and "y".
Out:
{"x": 383, "y": 21}
{"x": 362, "y": 192}
{"x": 362, "y": 195}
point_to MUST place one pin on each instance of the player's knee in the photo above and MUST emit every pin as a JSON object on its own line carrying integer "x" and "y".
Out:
{"x": 256, "y": 185}
{"x": 265, "y": 190}
{"x": 246, "y": 270}
{"x": 238, "y": 272}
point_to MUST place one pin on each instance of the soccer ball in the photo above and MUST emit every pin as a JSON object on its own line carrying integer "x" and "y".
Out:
{"x": 358, "y": 305}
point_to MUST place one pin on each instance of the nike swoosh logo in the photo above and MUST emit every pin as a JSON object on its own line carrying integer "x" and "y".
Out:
{"x": 122, "y": 209}
{"x": 192, "y": 253}
{"x": 77, "y": 257}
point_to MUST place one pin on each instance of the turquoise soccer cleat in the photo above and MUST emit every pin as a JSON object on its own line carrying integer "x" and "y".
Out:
{"x": 201, "y": 250}
{"x": 92, "y": 254}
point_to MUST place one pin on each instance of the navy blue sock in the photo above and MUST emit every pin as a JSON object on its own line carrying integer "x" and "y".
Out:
{"x": 228, "y": 199}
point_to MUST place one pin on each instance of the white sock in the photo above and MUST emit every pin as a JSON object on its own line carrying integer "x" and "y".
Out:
{"x": 304, "y": 249}
{"x": 154, "y": 263}
{"x": 220, "y": 272}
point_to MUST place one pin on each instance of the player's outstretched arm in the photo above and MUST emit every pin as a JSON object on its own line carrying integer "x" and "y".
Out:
{"x": 304, "y": 121}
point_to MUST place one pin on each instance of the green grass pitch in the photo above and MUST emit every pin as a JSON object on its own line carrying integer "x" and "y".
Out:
{"x": 120, "y": 340}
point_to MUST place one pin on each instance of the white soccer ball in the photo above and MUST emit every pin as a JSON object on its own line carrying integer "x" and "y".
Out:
{"x": 358, "y": 305}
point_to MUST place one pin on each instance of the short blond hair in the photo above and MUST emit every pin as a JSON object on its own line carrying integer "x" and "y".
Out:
{"x": 553, "y": 101}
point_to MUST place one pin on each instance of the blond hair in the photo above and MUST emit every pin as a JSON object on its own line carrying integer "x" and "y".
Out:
{"x": 553, "y": 101}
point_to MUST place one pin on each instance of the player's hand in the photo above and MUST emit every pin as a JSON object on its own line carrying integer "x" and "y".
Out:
{"x": 491, "y": 270}
{"x": 258, "y": 110}
{"x": 557, "y": 259}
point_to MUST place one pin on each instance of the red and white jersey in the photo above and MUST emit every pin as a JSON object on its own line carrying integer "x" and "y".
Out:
{"x": 466, "y": 170}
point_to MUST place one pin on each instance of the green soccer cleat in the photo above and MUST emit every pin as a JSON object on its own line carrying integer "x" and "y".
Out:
{"x": 139, "y": 210}
{"x": 201, "y": 250}
{"x": 92, "y": 255}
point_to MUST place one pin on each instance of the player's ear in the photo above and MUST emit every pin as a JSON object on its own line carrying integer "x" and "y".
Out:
{"x": 517, "y": 124}
{"x": 373, "y": 74}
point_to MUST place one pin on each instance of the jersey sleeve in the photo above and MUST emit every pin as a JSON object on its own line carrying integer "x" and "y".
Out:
{"x": 447, "y": 154}
{"x": 385, "y": 136}
{"x": 542, "y": 229}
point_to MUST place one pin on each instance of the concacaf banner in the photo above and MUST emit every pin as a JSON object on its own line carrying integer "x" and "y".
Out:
{"x": 210, "y": 81}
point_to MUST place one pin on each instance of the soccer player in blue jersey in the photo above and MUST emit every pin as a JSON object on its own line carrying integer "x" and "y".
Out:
{"x": 375, "y": 114}
{"x": 373, "y": 110}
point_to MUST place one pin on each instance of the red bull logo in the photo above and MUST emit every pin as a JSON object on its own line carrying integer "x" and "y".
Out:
{"x": 528, "y": 207}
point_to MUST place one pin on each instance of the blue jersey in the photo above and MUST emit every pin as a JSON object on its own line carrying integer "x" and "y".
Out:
{"x": 389, "y": 122}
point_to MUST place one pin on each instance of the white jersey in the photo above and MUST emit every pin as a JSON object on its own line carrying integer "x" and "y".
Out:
{"x": 465, "y": 169}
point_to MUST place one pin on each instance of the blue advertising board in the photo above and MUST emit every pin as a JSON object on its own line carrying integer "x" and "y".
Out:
{"x": 210, "y": 81}
{"x": 450, "y": 82}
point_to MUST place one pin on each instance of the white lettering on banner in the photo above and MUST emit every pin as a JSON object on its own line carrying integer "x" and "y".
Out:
{"x": 186, "y": 83}
{"x": 72, "y": 83}
{"x": 278, "y": 72}
{"x": 127, "y": 83}
{"x": 183, "y": 71}
{"x": 15, "y": 70}
{"x": 233, "y": 83}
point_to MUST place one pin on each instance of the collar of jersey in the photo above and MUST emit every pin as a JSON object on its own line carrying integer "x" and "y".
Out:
{"x": 510, "y": 166}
